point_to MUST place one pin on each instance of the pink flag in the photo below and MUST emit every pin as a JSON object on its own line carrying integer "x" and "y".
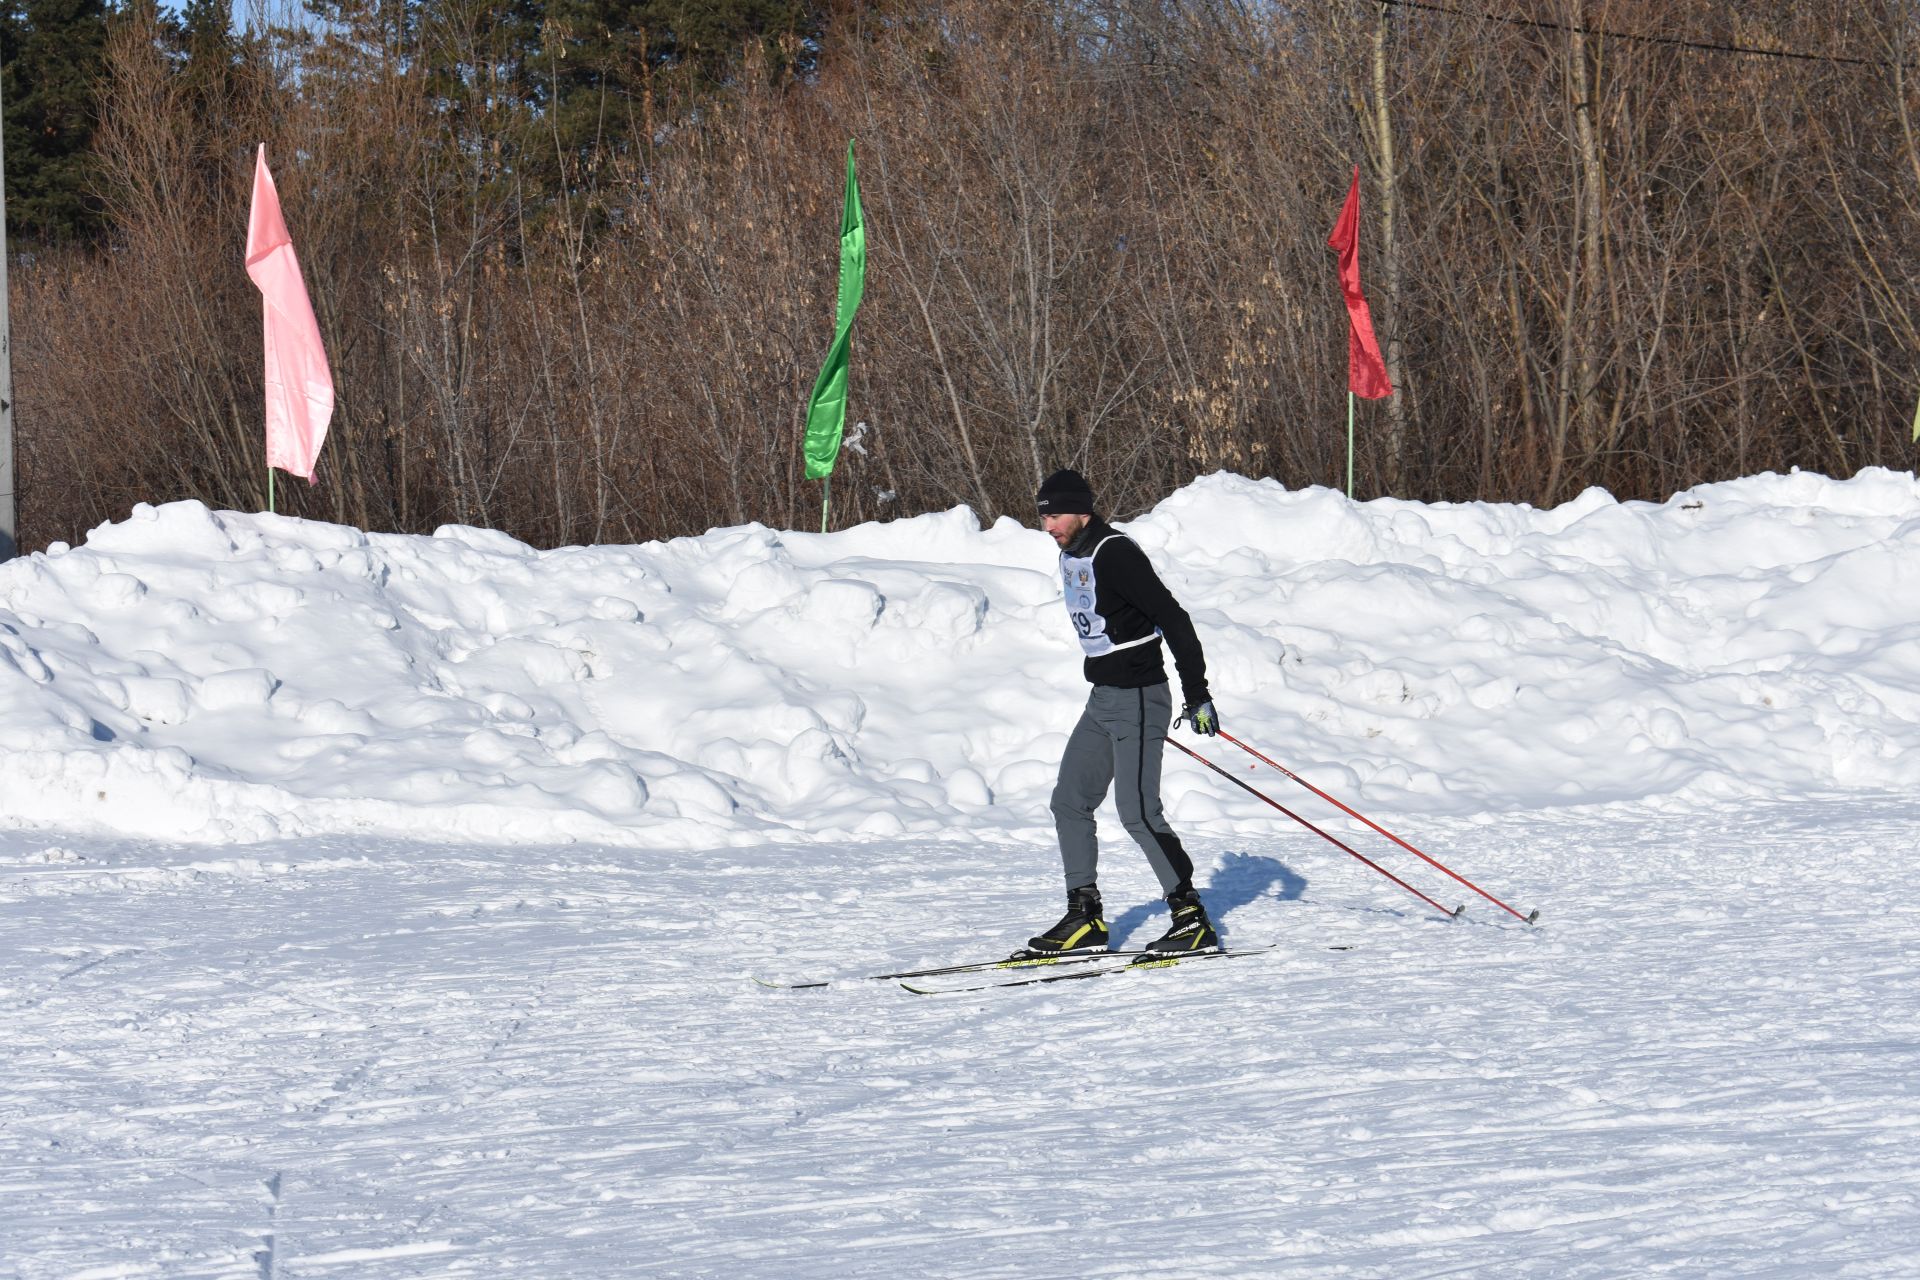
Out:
{"x": 1366, "y": 371}
{"x": 299, "y": 386}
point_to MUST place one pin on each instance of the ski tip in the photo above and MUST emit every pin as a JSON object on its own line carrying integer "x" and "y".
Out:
{"x": 1533, "y": 916}
{"x": 771, "y": 985}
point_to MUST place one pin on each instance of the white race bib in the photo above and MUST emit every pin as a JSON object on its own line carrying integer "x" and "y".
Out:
{"x": 1081, "y": 587}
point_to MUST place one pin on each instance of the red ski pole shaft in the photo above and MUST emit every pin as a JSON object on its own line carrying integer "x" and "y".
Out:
{"x": 1317, "y": 831}
{"x": 1530, "y": 919}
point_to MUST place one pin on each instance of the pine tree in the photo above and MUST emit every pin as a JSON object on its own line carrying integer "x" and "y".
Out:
{"x": 596, "y": 57}
{"x": 53, "y": 54}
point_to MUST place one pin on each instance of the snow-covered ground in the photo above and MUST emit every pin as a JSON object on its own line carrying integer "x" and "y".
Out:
{"x": 383, "y": 906}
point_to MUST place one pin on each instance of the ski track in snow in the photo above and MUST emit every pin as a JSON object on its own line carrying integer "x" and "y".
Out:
{"x": 325, "y": 1058}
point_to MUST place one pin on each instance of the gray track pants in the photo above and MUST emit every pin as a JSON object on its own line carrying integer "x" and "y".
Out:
{"x": 1118, "y": 743}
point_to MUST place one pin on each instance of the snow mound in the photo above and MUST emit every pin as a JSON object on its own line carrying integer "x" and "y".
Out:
{"x": 215, "y": 676}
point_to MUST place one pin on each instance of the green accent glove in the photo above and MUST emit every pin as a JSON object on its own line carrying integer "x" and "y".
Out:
{"x": 1204, "y": 718}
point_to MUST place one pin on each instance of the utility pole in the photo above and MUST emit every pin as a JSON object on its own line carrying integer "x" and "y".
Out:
{"x": 9, "y": 539}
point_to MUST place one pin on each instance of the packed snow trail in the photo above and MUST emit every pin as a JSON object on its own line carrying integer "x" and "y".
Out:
{"x": 368, "y": 1059}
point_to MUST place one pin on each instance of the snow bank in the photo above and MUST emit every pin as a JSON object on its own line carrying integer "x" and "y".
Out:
{"x": 214, "y": 676}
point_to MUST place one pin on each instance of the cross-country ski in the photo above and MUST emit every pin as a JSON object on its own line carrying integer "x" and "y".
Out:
{"x": 1144, "y": 963}
{"x": 1016, "y": 961}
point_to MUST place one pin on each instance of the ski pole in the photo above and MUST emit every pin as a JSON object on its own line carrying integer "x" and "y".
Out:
{"x": 1317, "y": 831}
{"x": 1532, "y": 918}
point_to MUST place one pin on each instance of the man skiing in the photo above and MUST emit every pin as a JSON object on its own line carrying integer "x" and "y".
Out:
{"x": 1122, "y": 613}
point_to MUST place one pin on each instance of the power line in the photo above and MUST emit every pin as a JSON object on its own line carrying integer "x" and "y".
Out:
{"x": 1673, "y": 41}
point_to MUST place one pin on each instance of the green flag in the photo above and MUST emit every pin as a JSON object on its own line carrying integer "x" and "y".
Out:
{"x": 827, "y": 406}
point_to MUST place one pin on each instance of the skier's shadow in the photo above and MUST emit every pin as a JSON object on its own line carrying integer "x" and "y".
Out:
{"x": 1240, "y": 879}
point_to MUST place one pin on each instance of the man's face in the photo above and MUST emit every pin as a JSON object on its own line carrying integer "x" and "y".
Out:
{"x": 1064, "y": 528}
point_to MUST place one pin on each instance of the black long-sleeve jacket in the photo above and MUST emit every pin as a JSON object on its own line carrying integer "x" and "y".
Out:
{"x": 1134, "y": 604}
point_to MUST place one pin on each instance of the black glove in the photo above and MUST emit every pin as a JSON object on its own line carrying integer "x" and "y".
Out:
{"x": 1203, "y": 718}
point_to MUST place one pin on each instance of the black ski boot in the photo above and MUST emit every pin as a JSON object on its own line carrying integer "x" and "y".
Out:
{"x": 1191, "y": 932}
{"x": 1081, "y": 930}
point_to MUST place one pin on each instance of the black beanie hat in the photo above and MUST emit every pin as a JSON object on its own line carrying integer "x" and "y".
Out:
{"x": 1066, "y": 493}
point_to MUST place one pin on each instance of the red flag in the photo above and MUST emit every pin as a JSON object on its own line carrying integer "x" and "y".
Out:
{"x": 1366, "y": 371}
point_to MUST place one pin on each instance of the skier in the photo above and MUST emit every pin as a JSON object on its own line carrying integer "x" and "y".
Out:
{"x": 1122, "y": 612}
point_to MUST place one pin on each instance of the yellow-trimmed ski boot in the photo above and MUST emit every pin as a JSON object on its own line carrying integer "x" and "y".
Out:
{"x": 1191, "y": 932}
{"x": 1080, "y": 931}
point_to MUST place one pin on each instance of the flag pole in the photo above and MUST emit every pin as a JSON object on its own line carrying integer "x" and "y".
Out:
{"x": 1349, "y": 444}
{"x": 826, "y": 499}
{"x": 9, "y": 534}
{"x": 269, "y": 489}
{"x": 1916, "y": 421}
